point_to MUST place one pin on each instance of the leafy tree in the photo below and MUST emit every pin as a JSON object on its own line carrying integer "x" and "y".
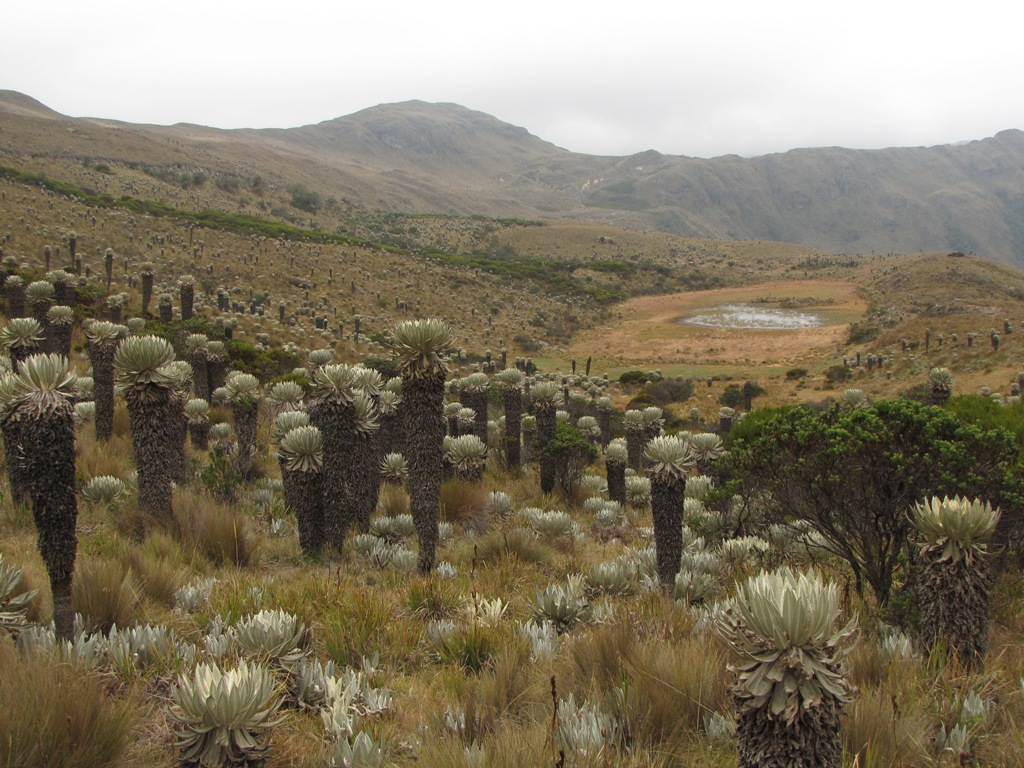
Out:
{"x": 852, "y": 475}
{"x": 570, "y": 453}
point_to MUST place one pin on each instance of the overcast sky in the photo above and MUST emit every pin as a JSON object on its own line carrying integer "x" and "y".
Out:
{"x": 735, "y": 76}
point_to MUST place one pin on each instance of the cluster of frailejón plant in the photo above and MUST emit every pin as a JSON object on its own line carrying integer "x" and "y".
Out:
{"x": 956, "y": 575}
{"x": 221, "y": 714}
{"x": 791, "y": 687}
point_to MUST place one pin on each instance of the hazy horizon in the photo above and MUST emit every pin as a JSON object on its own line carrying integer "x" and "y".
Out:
{"x": 746, "y": 79}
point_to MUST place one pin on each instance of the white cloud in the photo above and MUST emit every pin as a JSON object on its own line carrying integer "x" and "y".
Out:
{"x": 743, "y": 77}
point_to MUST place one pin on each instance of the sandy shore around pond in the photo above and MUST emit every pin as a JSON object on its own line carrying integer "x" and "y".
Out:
{"x": 649, "y": 330}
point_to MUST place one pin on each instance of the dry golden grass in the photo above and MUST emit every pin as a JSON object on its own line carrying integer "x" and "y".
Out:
{"x": 157, "y": 564}
{"x": 463, "y": 502}
{"x": 220, "y": 532}
{"x": 105, "y": 593}
{"x": 649, "y": 661}
{"x": 53, "y": 715}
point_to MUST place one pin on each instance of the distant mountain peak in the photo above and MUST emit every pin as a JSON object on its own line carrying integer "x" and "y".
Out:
{"x": 16, "y": 103}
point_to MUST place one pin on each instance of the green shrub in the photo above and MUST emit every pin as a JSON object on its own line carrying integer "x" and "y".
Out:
{"x": 861, "y": 333}
{"x": 986, "y": 413}
{"x": 385, "y": 366}
{"x": 263, "y": 364}
{"x": 633, "y": 379}
{"x": 732, "y": 397}
{"x": 305, "y": 199}
{"x": 573, "y": 453}
{"x": 671, "y": 391}
{"x": 919, "y": 393}
{"x": 297, "y": 378}
{"x": 837, "y": 374}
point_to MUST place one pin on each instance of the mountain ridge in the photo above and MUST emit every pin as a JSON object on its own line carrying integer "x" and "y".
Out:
{"x": 445, "y": 158}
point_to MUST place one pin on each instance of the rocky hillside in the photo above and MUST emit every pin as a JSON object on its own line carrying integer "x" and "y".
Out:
{"x": 421, "y": 157}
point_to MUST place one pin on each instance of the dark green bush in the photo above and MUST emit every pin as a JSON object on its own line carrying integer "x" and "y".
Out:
{"x": 733, "y": 395}
{"x": 633, "y": 379}
{"x": 671, "y": 391}
{"x": 863, "y": 332}
{"x": 573, "y": 453}
{"x": 986, "y": 413}
{"x": 837, "y": 374}
{"x": 263, "y": 364}
{"x": 385, "y": 366}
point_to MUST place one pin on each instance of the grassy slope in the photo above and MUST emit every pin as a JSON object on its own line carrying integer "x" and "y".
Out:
{"x": 670, "y": 676}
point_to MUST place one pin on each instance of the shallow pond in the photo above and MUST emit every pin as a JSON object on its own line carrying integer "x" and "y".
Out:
{"x": 753, "y": 317}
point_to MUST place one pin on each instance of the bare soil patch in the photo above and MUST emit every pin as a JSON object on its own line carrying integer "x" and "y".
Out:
{"x": 648, "y": 330}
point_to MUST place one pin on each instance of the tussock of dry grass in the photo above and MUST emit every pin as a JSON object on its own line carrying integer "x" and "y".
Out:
{"x": 105, "y": 592}
{"x": 219, "y": 531}
{"x": 157, "y": 566}
{"x": 362, "y": 624}
{"x": 463, "y": 502}
{"x": 517, "y": 544}
{"x": 393, "y": 501}
{"x": 95, "y": 459}
{"x": 52, "y": 715}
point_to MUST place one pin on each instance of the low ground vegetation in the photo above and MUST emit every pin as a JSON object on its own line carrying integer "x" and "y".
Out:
{"x": 555, "y": 608}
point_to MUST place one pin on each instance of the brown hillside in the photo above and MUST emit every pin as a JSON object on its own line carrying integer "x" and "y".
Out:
{"x": 444, "y": 158}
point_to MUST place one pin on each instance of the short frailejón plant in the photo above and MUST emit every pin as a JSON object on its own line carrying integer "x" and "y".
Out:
{"x": 102, "y": 339}
{"x": 13, "y": 601}
{"x": 615, "y": 458}
{"x": 634, "y": 426}
{"x": 941, "y": 381}
{"x": 791, "y": 687}
{"x": 511, "y": 382}
{"x": 244, "y": 396}
{"x": 956, "y": 575}
{"x": 22, "y": 336}
{"x": 222, "y": 714}
{"x": 333, "y": 413}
